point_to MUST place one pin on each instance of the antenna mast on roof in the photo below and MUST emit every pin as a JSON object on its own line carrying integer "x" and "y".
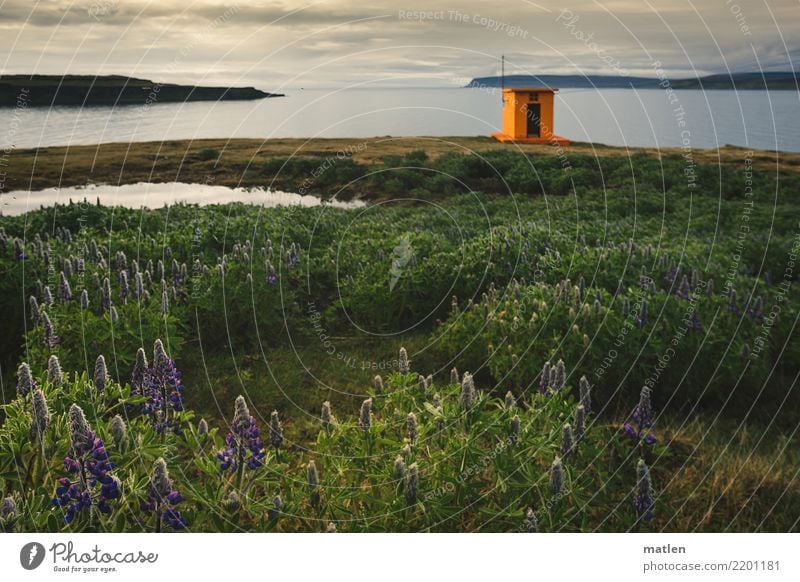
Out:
{"x": 502, "y": 75}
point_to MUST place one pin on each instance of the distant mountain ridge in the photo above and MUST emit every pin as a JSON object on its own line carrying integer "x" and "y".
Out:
{"x": 47, "y": 90}
{"x": 777, "y": 80}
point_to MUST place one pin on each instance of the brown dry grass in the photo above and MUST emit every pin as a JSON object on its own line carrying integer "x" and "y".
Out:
{"x": 727, "y": 480}
{"x": 126, "y": 163}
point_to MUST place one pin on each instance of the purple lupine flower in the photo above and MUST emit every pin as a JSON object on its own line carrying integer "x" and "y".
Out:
{"x": 272, "y": 276}
{"x": 531, "y": 524}
{"x": 732, "y": 308}
{"x": 19, "y": 250}
{"x": 454, "y": 378}
{"x": 580, "y": 422}
{"x": 556, "y": 477}
{"x": 275, "y": 430}
{"x": 559, "y": 376}
{"x": 139, "y": 369}
{"x": 412, "y": 484}
{"x": 244, "y": 447}
{"x": 54, "y": 374}
{"x": 327, "y": 415}
{"x": 644, "y": 278}
{"x": 121, "y": 261}
{"x": 49, "y": 338}
{"x": 643, "y": 498}
{"x": 162, "y": 497}
{"x": 467, "y": 391}
{"x": 138, "y": 286}
{"x": 399, "y": 469}
{"x": 585, "y": 390}
{"x": 105, "y": 301}
{"x": 756, "y": 309}
{"x": 642, "y": 419}
{"x": 626, "y": 308}
{"x": 124, "y": 286}
{"x": 683, "y": 289}
{"x": 9, "y": 513}
{"x": 293, "y": 257}
{"x": 100, "y": 373}
{"x": 118, "y": 431}
{"x": 365, "y": 416}
{"x": 411, "y": 427}
{"x": 34, "y": 310}
{"x": 64, "y": 290}
{"x": 88, "y": 460}
{"x": 544, "y": 378}
{"x": 25, "y": 382}
{"x": 403, "y": 363}
{"x": 672, "y": 273}
{"x": 162, "y": 387}
{"x": 641, "y": 318}
{"x": 40, "y": 417}
{"x": 510, "y": 401}
{"x": 377, "y": 384}
{"x": 164, "y": 300}
{"x": 47, "y": 296}
{"x": 84, "y": 300}
{"x": 567, "y": 442}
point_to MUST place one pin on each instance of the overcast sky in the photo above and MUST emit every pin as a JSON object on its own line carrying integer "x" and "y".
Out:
{"x": 332, "y": 43}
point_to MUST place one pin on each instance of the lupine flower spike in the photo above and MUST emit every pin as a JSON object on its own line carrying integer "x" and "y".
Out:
{"x": 54, "y": 374}
{"x": 243, "y": 441}
{"x": 411, "y": 427}
{"x": 40, "y": 419}
{"x": 643, "y": 498}
{"x": 567, "y": 443}
{"x": 531, "y": 524}
{"x": 412, "y": 484}
{"x": 642, "y": 419}
{"x": 100, "y": 374}
{"x": 403, "y": 364}
{"x": 275, "y": 431}
{"x": 467, "y": 391}
{"x": 556, "y": 477}
{"x": 585, "y": 394}
{"x": 118, "y": 431}
{"x": 579, "y": 423}
{"x": 25, "y": 381}
{"x": 162, "y": 497}
{"x": 89, "y": 461}
{"x": 365, "y": 417}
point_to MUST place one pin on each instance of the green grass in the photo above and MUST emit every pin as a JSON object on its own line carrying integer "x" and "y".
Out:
{"x": 284, "y": 305}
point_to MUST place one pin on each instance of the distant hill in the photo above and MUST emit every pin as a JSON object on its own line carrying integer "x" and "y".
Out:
{"x": 47, "y": 90}
{"x": 784, "y": 80}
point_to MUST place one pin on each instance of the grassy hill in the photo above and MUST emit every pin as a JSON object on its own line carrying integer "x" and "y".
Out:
{"x": 48, "y": 90}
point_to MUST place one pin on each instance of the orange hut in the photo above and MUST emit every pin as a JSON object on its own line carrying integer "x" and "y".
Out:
{"x": 528, "y": 116}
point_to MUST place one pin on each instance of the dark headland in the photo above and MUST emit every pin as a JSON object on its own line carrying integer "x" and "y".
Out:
{"x": 772, "y": 81}
{"x": 83, "y": 90}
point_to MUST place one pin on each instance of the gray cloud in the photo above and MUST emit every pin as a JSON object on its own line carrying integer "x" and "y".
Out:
{"x": 336, "y": 42}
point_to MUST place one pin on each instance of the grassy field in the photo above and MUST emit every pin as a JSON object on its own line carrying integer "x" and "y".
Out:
{"x": 606, "y": 297}
{"x": 241, "y": 162}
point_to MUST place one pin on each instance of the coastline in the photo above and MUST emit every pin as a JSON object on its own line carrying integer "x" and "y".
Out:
{"x": 236, "y": 162}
